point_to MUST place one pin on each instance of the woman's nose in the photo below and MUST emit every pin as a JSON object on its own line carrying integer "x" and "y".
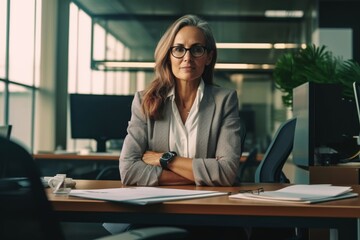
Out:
{"x": 187, "y": 56}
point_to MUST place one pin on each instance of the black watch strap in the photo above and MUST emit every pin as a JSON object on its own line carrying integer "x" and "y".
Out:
{"x": 166, "y": 158}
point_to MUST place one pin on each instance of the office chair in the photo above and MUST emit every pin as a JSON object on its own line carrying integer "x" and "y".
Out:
{"x": 5, "y": 131}
{"x": 25, "y": 210}
{"x": 270, "y": 168}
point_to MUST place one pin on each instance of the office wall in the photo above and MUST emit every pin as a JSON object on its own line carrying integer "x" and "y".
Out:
{"x": 338, "y": 40}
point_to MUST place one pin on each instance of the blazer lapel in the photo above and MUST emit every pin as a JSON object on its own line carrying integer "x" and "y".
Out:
{"x": 206, "y": 113}
{"x": 161, "y": 130}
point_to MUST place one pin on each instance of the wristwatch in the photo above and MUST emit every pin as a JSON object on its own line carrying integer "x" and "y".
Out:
{"x": 166, "y": 158}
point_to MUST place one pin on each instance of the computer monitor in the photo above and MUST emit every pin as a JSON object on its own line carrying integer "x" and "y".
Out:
{"x": 99, "y": 117}
{"x": 356, "y": 86}
{"x": 5, "y": 131}
{"x": 325, "y": 127}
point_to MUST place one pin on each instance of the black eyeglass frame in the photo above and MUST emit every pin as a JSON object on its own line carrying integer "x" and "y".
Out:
{"x": 188, "y": 49}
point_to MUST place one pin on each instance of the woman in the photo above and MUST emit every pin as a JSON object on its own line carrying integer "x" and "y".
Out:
{"x": 183, "y": 129}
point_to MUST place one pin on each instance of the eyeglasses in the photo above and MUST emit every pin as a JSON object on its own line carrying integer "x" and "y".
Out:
{"x": 253, "y": 191}
{"x": 195, "y": 51}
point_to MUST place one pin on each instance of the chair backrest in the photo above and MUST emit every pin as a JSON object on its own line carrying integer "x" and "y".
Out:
{"x": 270, "y": 168}
{"x": 25, "y": 211}
{"x": 5, "y": 131}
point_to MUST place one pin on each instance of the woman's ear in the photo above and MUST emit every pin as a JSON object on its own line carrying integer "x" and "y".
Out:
{"x": 209, "y": 58}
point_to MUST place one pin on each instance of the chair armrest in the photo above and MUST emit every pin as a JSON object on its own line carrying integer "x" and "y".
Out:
{"x": 150, "y": 233}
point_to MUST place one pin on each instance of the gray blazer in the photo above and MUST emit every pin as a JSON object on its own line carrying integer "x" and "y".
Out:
{"x": 218, "y": 147}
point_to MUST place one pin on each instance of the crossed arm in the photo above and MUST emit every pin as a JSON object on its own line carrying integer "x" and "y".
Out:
{"x": 180, "y": 169}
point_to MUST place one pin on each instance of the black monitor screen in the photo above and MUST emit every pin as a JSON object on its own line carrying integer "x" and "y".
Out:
{"x": 325, "y": 127}
{"x": 99, "y": 117}
{"x": 357, "y": 97}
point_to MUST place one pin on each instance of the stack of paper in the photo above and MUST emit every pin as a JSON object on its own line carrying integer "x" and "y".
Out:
{"x": 301, "y": 194}
{"x": 143, "y": 195}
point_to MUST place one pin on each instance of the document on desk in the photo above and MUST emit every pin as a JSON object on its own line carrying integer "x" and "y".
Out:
{"x": 301, "y": 194}
{"x": 143, "y": 195}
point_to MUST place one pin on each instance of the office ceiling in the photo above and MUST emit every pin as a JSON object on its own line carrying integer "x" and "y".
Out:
{"x": 139, "y": 24}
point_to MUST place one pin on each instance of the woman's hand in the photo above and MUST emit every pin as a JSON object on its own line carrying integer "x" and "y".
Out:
{"x": 152, "y": 158}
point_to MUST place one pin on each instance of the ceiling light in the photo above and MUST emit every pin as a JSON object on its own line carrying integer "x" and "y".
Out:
{"x": 114, "y": 65}
{"x": 120, "y": 64}
{"x": 244, "y": 45}
{"x": 243, "y": 66}
{"x": 257, "y": 45}
{"x": 286, "y": 45}
{"x": 284, "y": 13}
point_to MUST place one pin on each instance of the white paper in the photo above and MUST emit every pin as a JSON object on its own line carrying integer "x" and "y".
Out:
{"x": 301, "y": 193}
{"x": 143, "y": 195}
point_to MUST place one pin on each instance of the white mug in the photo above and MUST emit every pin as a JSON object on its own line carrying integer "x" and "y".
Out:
{"x": 58, "y": 184}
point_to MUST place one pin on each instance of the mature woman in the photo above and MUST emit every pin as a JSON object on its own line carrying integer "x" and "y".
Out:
{"x": 183, "y": 129}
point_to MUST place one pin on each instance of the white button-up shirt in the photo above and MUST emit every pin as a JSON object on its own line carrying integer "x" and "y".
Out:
{"x": 183, "y": 137}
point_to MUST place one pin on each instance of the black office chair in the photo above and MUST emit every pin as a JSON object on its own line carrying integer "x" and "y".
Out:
{"x": 5, "y": 131}
{"x": 270, "y": 168}
{"x": 25, "y": 210}
{"x": 270, "y": 171}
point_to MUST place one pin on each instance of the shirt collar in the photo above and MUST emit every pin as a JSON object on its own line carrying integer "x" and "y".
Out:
{"x": 200, "y": 91}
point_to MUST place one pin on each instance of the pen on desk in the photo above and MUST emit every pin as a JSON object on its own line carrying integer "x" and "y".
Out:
{"x": 253, "y": 191}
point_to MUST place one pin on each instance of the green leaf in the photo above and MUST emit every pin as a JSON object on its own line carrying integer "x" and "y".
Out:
{"x": 314, "y": 64}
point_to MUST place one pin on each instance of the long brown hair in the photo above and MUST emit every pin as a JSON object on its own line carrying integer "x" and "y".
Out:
{"x": 164, "y": 80}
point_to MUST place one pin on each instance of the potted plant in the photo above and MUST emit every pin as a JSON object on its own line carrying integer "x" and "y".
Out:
{"x": 314, "y": 64}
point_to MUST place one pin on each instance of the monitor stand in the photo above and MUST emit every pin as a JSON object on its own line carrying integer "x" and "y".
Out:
{"x": 100, "y": 145}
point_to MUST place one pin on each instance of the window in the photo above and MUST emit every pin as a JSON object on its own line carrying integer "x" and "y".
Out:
{"x": 82, "y": 78}
{"x": 3, "y": 16}
{"x": 19, "y": 65}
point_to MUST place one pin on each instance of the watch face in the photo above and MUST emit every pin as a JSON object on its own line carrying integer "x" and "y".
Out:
{"x": 167, "y": 155}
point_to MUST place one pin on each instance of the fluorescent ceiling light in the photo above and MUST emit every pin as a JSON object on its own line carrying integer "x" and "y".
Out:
{"x": 113, "y": 65}
{"x": 284, "y": 13}
{"x": 244, "y": 45}
{"x": 257, "y": 45}
{"x": 286, "y": 45}
{"x": 119, "y": 64}
{"x": 243, "y": 66}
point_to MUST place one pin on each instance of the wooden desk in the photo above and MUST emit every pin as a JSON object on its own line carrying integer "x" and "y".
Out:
{"x": 215, "y": 211}
{"x": 347, "y": 174}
